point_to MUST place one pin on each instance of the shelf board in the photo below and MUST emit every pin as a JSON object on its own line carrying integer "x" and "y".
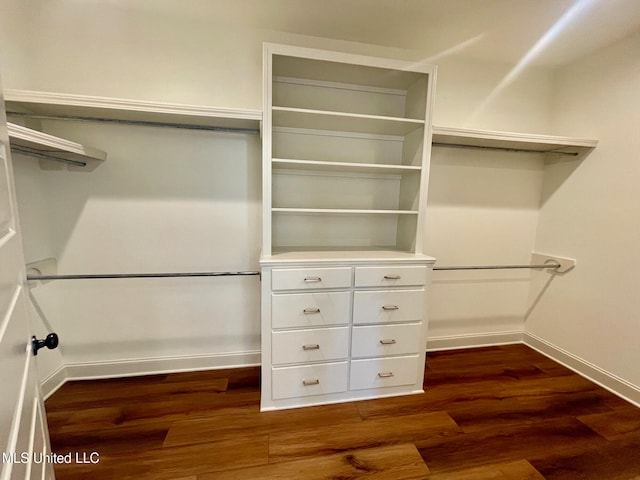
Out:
{"x": 343, "y": 211}
{"x": 320, "y": 254}
{"x": 341, "y": 121}
{"x": 26, "y": 141}
{"x": 85, "y": 106}
{"x": 461, "y": 137}
{"x": 321, "y": 166}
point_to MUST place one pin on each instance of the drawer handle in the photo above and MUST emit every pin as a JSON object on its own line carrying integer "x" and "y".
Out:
{"x": 308, "y": 311}
{"x": 390, "y": 307}
{"x": 308, "y": 383}
{"x": 312, "y": 279}
{"x": 385, "y": 374}
{"x": 313, "y": 346}
{"x": 392, "y": 277}
{"x": 388, "y": 341}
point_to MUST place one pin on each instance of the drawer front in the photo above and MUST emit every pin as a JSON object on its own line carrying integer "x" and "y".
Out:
{"x": 381, "y": 340}
{"x": 304, "y": 346}
{"x": 391, "y": 276}
{"x": 291, "y": 382}
{"x": 306, "y": 278}
{"x": 388, "y": 306}
{"x": 310, "y": 309}
{"x": 383, "y": 372}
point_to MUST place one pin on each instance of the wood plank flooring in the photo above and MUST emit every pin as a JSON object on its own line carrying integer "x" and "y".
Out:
{"x": 496, "y": 413}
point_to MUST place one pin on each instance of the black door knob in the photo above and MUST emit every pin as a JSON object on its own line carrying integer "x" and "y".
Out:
{"x": 51, "y": 342}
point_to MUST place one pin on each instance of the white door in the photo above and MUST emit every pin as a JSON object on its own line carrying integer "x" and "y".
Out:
{"x": 24, "y": 438}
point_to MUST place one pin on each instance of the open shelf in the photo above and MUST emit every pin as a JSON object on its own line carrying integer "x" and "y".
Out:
{"x": 84, "y": 106}
{"x": 321, "y": 166}
{"x": 41, "y": 145}
{"x": 461, "y": 137}
{"x": 345, "y": 211}
{"x": 346, "y": 122}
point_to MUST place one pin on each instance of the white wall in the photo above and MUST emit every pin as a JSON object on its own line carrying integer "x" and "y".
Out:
{"x": 592, "y": 312}
{"x": 159, "y": 203}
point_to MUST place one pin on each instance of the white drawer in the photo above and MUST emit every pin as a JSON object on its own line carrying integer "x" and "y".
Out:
{"x": 310, "y": 309}
{"x": 383, "y": 372}
{"x": 306, "y": 278}
{"x": 304, "y": 346}
{"x": 381, "y": 340}
{"x": 387, "y": 306}
{"x": 290, "y": 382}
{"x": 391, "y": 276}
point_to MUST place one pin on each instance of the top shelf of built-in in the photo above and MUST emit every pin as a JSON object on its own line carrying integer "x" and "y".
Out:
{"x": 470, "y": 138}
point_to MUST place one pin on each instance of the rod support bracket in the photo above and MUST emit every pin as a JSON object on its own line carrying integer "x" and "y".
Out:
{"x": 565, "y": 263}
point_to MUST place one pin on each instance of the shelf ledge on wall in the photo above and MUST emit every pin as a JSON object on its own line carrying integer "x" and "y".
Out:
{"x": 470, "y": 138}
{"x": 53, "y": 151}
{"x": 565, "y": 263}
{"x": 87, "y": 106}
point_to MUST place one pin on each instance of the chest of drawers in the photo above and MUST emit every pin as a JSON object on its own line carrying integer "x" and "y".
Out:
{"x": 335, "y": 331}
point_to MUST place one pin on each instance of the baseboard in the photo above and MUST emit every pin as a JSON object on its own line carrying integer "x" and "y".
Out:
{"x": 607, "y": 380}
{"x": 147, "y": 366}
{"x": 454, "y": 342}
{"x": 53, "y": 382}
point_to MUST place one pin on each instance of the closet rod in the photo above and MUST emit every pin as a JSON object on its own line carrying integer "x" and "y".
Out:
{"x": 497, "y": 267}
{"x": 503, "y": 149}
{"x": 141, "y": 123}
{"x": 46, "y": 156}
{"x": 140, "y": 275}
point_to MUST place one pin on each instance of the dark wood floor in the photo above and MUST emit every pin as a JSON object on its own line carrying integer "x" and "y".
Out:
{"x": 489, "y": 413}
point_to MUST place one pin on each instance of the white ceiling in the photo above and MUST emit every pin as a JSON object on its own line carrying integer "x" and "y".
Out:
{"x": 554, "y": 31}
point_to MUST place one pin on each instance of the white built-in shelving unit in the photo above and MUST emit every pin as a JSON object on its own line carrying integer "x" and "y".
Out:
{"x": 346, "y": 145}
{"x": 345, "y": 157}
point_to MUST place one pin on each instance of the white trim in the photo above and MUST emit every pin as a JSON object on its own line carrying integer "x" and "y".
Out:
{"x": 161, "y": 365}
{"x": 454, "y": 342}
{"x": 10, "y": 309}
{"x": 53, "y": 382}
{"x": 12, "y": 441}
{"x": 607, "y": 380}
{"x": 6, "y": 235}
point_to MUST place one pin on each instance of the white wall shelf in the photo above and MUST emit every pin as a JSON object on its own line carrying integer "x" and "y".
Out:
{"x": 461, "y": 137}
{"x": 347, "y": 122}
{"x": 85, "y": 106}
{"x": 344, "y": 211}
{"x": 50, "y": 148}
{"x": 322, "y": 166}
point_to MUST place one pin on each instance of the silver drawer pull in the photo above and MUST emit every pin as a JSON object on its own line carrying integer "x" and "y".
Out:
{"x": 308, "y": 311}
{"x": 390, "y": 307}
{"x": 385, "y": 374}
{"x": 308, "y": 383}
{"x": 313, "y": 346}
{"x": 312, "y": 279}
{"x": 392, "y": 277}
{"x": 388, "y": 341}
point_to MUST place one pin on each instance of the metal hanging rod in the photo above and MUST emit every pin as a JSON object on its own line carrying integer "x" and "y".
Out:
{"x": 554, "y": 266}
{"x": 47, "y": 156}
{"x": 503, "y": 149}
{"x": 142, "y": 123}
{"x": 141, "y": 275}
